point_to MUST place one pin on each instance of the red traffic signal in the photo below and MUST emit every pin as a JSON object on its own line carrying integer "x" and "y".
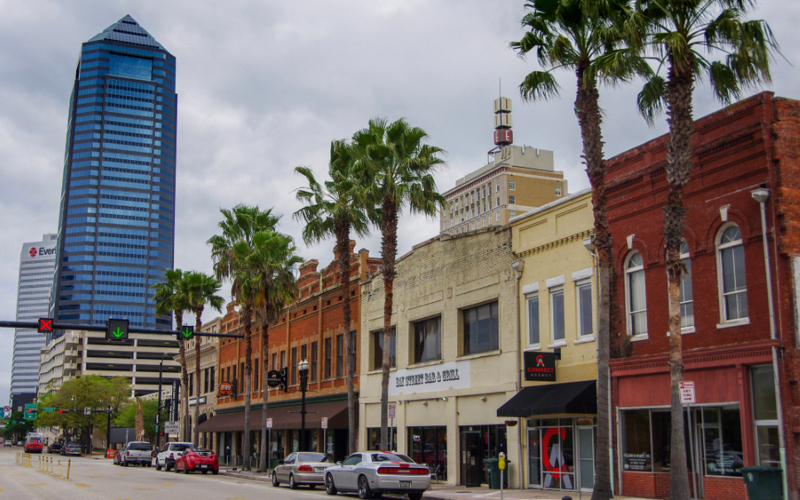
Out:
{"x": 31, "y": 410}
{"x": 45, "y": 325}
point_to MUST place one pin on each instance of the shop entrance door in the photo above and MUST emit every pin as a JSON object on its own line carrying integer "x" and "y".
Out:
{"x": 471, "y": 459}
{"x": 558, "y": 452}
{"x": 586, "y": 457}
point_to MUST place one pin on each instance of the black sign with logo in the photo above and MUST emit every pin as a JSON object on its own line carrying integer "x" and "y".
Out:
{"x": 540, "y": 366}
{"x": 274, "y": 378}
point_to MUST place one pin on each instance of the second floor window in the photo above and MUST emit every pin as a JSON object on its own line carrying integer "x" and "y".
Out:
{"x": 481, "y": 329}
{"x": 427, "y": 340}
{"x": 314, "y": 364}
{"x": 635, "y": 300}
{"x": 377, "y": 351}
{"x": 687, "y": 301}
{"x": 512, "y": 200}
{"x": 733, "y": 283}
{"x": 294, "y": 366}
{"x": 557, "y": 314}
{"x": 327, "y": 373}
{"x": 533, "y": 319}
{"x": 339, "y": 355}
{"x": 583, "y": 294}
{"x": 512, "y": 185}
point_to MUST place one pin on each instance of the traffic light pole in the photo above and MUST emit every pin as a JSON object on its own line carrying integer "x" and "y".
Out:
{"x": 102, "y": 328}
{"x": 158, "y": 411}
{"x": 108, "y": 430}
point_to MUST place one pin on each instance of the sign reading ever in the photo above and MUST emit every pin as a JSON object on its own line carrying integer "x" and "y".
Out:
{"x": 442, "y": 377}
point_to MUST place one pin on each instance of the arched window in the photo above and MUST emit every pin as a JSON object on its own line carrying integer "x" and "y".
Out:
{"x": 731, "y": 270}
{"x": 687, "y": 300}
{"x": 635, "y": 299}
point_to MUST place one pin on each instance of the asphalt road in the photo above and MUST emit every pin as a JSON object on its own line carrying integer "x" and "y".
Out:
{"x": 99, "y": 479}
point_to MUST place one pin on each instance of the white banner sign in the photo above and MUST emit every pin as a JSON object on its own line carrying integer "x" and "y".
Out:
{"x": 172, "y": 427}
{"x": 441, "y": 377}
{"x": 687, "y": 393}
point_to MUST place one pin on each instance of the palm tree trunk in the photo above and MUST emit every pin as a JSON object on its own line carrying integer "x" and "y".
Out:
{"x": 342, "y": 230}
{"x": 388, "y": 255}
{"x": 590, "y": 121}
{"x": 679, "y": 167}
{"x": 248, "y": 368}
{"x": 184, "y": 382}
{"x": 264, "y": 459}
{"x": 197, "y": 327}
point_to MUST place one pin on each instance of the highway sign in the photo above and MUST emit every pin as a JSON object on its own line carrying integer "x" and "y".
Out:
{"x": 49, "y": 410}
{"x": 172, "y": 427}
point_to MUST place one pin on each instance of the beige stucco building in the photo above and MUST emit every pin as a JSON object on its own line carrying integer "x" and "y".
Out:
{"x": 455, "y": 355}
{"x": 557, "y": 304}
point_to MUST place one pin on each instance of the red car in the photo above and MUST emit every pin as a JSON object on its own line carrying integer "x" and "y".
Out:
{"x": 194, "y": 459}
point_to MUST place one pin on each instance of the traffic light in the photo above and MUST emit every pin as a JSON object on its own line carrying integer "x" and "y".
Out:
{"x": 185, "y": 333}
{"x": 285, "y": 382}
{"x": 30, "y": 414}
{"x": 64, "y": 411}
{"x": 45, "y": 325}
{"x": 117, "y": 329}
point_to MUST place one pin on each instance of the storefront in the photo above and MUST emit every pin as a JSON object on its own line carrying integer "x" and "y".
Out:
{"x": 428, "y": 445}
{"x": 479, "y": 442}
{"x": 560, "y": 431}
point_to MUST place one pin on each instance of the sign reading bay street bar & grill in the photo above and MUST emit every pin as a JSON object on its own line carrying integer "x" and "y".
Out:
{"x": 540, "y": 366}
{"x": 439, "y": 377}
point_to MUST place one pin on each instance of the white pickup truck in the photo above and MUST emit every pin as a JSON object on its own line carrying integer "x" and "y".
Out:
{"x": 136, "y": 452}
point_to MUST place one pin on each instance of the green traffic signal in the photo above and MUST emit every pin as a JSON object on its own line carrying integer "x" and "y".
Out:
{"x": 185, "y": 333}
{"x": 117, "y": 329}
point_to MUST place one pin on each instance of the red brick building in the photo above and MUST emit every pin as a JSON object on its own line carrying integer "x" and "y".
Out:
{"x": 729, "y": 340}
{"x": 311, "y": 329}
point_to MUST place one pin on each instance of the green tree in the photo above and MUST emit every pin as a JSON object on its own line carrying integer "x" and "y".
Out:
{"x": 171, "y": 297}
{"x": 201, "y": 289}
{"x": 681, "y": 36}
{"x": 239, "y": 226}
{"x": 333, "y": 209}
{"x": 20, "y": 427}
{"x": 127, "y": 417}
{"x": 569, "y": 35}
{"x": 396, "y": 170}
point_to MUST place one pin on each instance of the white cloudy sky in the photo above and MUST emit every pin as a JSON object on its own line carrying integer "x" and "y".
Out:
{"x": 264, "y": 86}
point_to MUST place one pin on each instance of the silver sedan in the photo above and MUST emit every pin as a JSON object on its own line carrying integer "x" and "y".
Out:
{"x": 302, "y": 468}
{"x": 373, "y": 473}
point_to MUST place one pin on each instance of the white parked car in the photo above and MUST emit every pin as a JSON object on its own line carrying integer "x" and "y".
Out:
{"x": 167, "y": 457}
{"x": 373, "y": 473}
{"x": 136, "y": 452}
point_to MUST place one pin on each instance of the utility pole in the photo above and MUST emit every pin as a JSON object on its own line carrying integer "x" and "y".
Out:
{"x": 108, "y": 430}
{"x": 158, "y": 411}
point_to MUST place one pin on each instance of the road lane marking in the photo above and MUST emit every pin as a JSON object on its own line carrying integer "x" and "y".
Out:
{"x": 166, "y": 484}
{"x": 120, "y": 475}
{"x": 82, "y": 485}
{"x": 35, "y": 484}
{"x": 143, "y": 489}
{"x": 95, "y": 476}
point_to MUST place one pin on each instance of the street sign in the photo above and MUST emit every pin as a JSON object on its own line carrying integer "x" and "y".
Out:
{"x": 269, "y": 423}
{"x": 391, "y": 411}
{"x": 49, "y": 410}
{"x": 87, "y": 411}
{"x": 324, "y": 422}
{"x": 687, "y": 393}
{"x": 45, "y": 325}
{"x": 30, "y": 412}
{"x": 117, "y": 329}
{"x": 172, "y": 427}
{"x": 6, "y": 412}
{"x": 225, "y": 389}
{"x": 185, "y": 333}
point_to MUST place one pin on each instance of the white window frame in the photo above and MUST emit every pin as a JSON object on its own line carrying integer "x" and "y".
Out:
{"x": 512, "y": 200}
{"x": 583, "y": 336}
{"x": 497, "y": 190}
{"x": 558, "y": 190}
{"x": 497, "y": 217}
{"x": 512, "y": 185}
{"x": 628, "y": 313}
{"x": 686, "y": 258}
{"x": 512, "y": 213}
{"x": 555, "y": 286}
{"x": 528, "y": 298}
{"x": 724, "y": 322}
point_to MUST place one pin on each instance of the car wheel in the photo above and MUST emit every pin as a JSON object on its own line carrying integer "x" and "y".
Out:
{"x": 364, "y": 491}
{"x": 292, "y": 484}
{"x": 215, "y": 472}
{"x": 275, "y": 481}
{"x": 205, "y": 472}
{"x": 166, "y": 466}
{"x": 124, "y": 463}
{"x": 158, "y": 465}
{"x": 330, "y": 488}
{"x": 415, "y": 495}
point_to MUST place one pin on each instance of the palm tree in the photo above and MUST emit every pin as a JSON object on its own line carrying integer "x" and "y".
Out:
{"x": 332, "y": 210}
{"x": 170, "y": 297}
{"x": 240, "y": 225}
{"x": 679, "y": 35}
{"x": 396, "y": 169}
{"x": 201, "y": 290}
{"x": 566, "y": 34}
{"x": 268, "y": 284}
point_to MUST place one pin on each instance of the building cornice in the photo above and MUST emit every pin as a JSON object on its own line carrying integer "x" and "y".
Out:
{"x": 550, "y": 245}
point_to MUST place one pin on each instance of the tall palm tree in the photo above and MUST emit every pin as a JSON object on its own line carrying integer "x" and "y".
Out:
{"x": 333, "y": 209}
{"x": 170, "y": 297}
{"x": 680, "y": 36}
{"x": 567, "y": 34}
{"x": 240, "y": 225}
{"x": 396, "y": 170}
{"x": 201, "y": 290}
{"x": 268, "y": 283}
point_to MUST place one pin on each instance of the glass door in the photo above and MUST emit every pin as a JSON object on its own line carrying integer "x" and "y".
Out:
{"x": 586, "y": 457}
{"x": 534, "y": 458}
{"x": 471, "y": 460}
{"x": 558, "y": 451}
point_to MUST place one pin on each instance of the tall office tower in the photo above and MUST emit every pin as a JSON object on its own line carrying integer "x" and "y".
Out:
{"x": 116, "y": 224}
{"x": 37, "y": 262}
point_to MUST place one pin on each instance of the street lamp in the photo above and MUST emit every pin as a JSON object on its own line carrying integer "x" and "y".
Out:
{"x": 302, "y": 367}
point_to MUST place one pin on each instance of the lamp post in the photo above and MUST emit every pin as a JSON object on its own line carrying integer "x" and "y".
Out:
{"x": 302, "y": 367}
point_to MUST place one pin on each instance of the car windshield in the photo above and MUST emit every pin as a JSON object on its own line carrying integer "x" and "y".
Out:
{"x": 139, "y": 446}
{"x": 393, "y": 457}
{"x": 179, "y": 447}
{"x": 74, "y": 446}
{"x": 313, "y": 457}
{"x": 202, "y": 452}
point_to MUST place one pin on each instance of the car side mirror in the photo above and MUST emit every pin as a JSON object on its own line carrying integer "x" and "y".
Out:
{"x": 280, "y": 462}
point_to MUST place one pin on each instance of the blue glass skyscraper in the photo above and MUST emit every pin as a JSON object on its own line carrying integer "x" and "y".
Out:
{"x": 116, "y": 224}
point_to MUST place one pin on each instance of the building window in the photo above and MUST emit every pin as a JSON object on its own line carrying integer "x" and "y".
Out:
{"x": 557, "y": 314}
{"x": 205, "y": 381}
{"x": 511, "y": 185}
{"x": 377, "y": 349}
{"x": 242, "y": 378}
{"x": 497, "y": 188}
{"x": 733, "y": 284}
{"x": 484, "y": 192}
{"x": 314, "y": 361}
{"x": 583, "y": 294}
{"x": 327, "y": 374}
{"x": 512, "y": 200}
{"x": 283, "y": 359}
{"x": 481, "y": 329}
{"x": 191, "y": 384}
{"x": 512, "y": 213}
{"x": 293, "y": 368}
{"x": 533, "y": 320}
{"x": 558, "y": 190}
{"x": 687, "y": 300}
{"x": 339, "y": 355}
{"x": 497, "y": 217}
{"x": 498, "y": 201}
{"x": 635, "y": 299}
{"x": 274, "y": 361}
{"x": 765, "y": 415}
{"x": 255, "y": 376}
{"x": 427, "y": 340}
{"x": 490, "y": 203}
{"x": 213, "y": 382}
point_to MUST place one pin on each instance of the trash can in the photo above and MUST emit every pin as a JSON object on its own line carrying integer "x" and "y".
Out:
{"x": 763, "y": 483}
{"x": 492, "y": 467}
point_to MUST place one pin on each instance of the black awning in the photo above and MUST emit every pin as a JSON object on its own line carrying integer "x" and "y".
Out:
{"x": 552, "y": 399}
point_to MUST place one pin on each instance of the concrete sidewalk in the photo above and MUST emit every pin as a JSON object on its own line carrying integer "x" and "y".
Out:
{"x": 450, "y": 492}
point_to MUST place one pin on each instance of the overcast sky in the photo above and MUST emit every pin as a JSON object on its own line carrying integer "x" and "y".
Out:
{"x": 264, "y": 86}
